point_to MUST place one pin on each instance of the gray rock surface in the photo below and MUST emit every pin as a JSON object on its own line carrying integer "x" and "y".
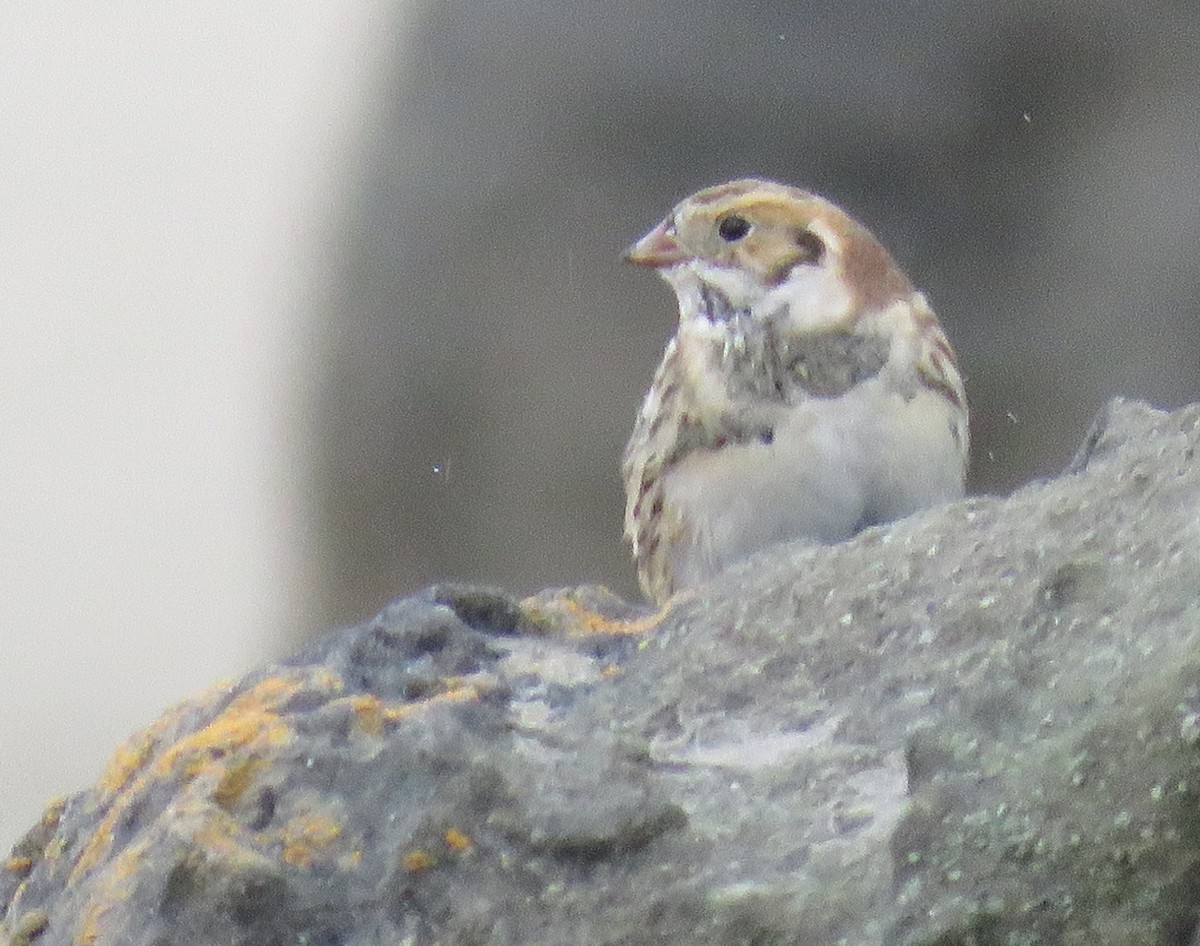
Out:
{"x": 980, "y": 725}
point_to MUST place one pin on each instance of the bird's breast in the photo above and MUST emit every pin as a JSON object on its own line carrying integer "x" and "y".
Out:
{"x": 828, "y": 467}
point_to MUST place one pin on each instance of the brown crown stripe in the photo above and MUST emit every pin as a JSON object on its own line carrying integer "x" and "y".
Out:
{"x": 721, "y": 192}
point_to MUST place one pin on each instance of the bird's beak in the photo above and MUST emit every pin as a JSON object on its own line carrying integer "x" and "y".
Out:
{"x": 658, "y": 248}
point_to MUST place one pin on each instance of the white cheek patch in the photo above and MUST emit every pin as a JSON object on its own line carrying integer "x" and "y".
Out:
{"x": 813, "y": 297}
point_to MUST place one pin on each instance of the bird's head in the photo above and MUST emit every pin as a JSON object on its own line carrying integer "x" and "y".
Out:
{"x": 761, "y": 247}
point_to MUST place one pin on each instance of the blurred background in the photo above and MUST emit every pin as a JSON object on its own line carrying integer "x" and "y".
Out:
{"x": 306, "y": 305}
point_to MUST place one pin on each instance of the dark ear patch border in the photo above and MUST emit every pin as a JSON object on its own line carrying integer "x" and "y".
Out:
{"x": 812, "y": 247}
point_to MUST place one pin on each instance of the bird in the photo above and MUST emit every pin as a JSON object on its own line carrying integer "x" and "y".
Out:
{"x": 808, "y": 392}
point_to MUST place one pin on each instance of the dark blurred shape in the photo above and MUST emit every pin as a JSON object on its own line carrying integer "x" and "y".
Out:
{"x": 1032, "y": 166}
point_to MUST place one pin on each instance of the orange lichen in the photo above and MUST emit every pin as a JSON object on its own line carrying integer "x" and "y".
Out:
{"x": 114, "y": 887}
{"x": 129, "y": 758}
{"x": 219, "y": 835}
{"x": 126, "y": 760}
{"x": 19, "y": 865}
{"x": 250, "y": 723}
{"x": 307, "y": 836}
{"x": 372, "y": 715}
{"x": 234, "y": 730}
{"x": 93, "y": 920}
{"x": 416, "y": 861}
{"x": 457, "y": 840}
{"x": 224, "y": 759}
{"x": 459, "y": 694}
{"x": 369, "y": 713}
{"x": 233, "y": 783}
{"x": 52, "y": 813}
{"x": 29, "y": 927}
{"x": 325, "y": 679}
{"x": 571, "y": 618}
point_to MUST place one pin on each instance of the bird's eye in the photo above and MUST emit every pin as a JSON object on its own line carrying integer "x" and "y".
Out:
{"x": 812, "y": 247}
{"x": 732, "y": 228}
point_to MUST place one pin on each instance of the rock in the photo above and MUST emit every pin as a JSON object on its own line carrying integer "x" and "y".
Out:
{"x": 980, "y": 725}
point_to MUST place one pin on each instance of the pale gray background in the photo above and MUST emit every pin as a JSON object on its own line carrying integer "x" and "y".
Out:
{"x": 168, "y": 178}
{"x": 304, "y": 305}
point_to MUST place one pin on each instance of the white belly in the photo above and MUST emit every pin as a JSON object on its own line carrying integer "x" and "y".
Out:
{"x": 834, "y": 466}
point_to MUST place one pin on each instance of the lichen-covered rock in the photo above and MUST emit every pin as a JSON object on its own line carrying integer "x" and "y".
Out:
{"x": 980, "y": 725}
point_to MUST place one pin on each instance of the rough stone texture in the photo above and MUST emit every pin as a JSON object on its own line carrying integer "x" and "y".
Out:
{"x": 978, "y": 726}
